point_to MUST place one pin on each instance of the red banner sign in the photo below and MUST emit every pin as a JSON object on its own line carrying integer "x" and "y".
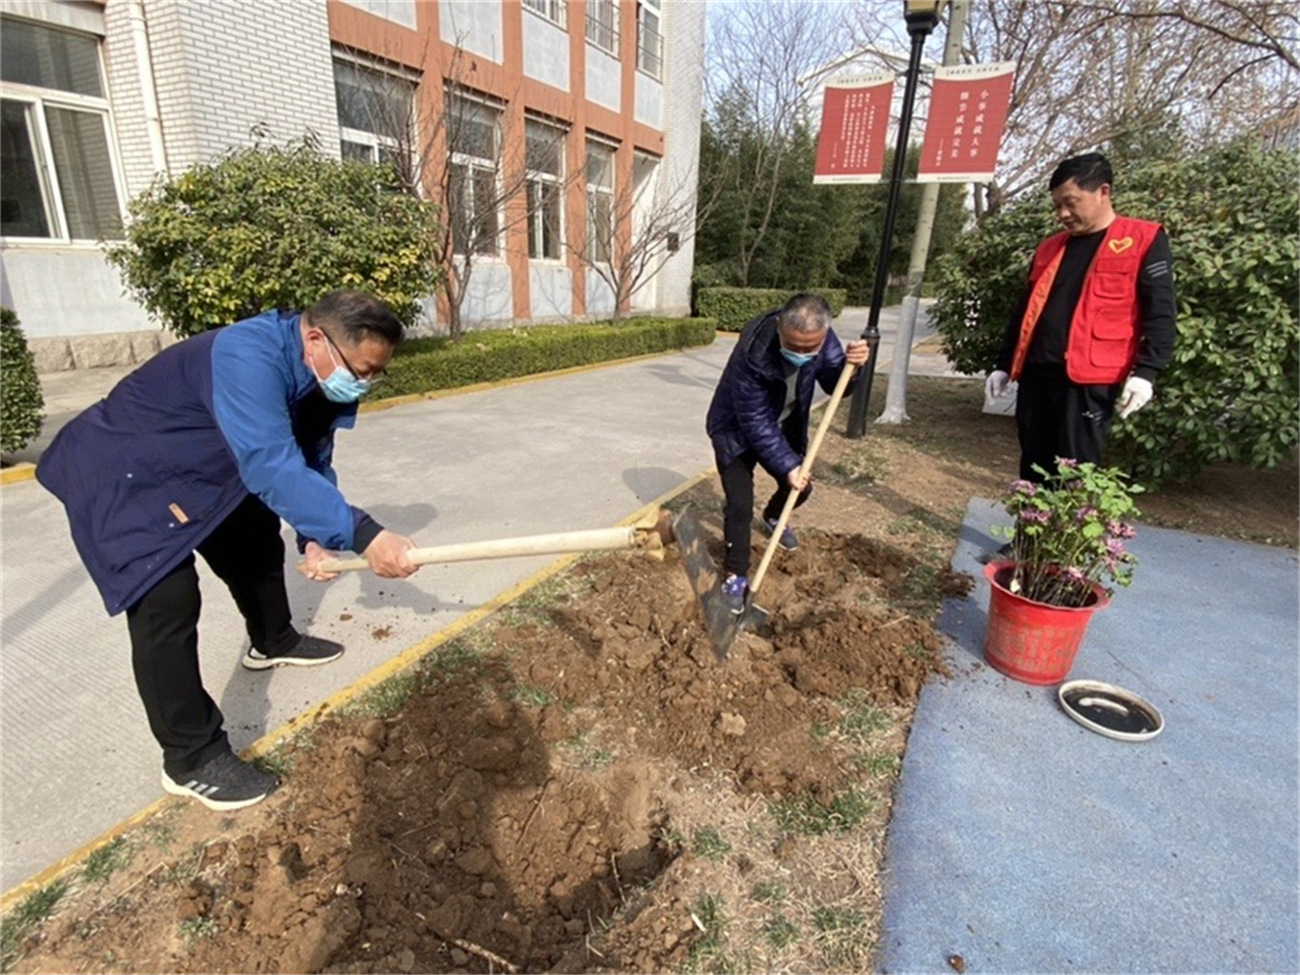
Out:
{"x": 855, "y": 118}
{"x": 968, "y": 113}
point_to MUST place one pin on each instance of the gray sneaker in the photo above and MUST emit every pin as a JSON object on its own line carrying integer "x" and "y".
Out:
{"x": 225, "y": 782}
{"x": 310, "y": 651}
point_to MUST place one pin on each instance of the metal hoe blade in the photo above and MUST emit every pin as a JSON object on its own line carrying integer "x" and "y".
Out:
{"x": 721, "y": 623}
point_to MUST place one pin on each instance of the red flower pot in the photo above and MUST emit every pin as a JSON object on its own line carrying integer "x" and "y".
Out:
{"x": 1031, "y": 641}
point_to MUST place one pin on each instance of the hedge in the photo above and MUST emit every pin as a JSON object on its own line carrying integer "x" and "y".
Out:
{"x": 735, "y": 307}
{"x": 427, "y": 364}
{"x": 22, "y": 407}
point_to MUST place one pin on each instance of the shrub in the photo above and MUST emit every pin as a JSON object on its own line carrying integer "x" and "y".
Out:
{"x": 423, "y": 365}
{"x": 735, "y": 307}
{"x": 21, "y": 404}
{"x": 1232, "y": 391}
{"x": 265, "y": 227}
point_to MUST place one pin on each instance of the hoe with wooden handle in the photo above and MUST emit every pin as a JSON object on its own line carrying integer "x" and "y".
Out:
{"x": 648, "y": 536}
{"x": 722, "y": 624}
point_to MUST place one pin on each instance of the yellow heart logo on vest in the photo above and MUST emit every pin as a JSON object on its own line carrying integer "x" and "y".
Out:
{"x": 1121, "y": 245}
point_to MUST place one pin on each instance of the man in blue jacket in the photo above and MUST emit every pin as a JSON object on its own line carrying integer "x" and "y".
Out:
{"x": 205, "y": 448}
{"x": 759, "y": 415}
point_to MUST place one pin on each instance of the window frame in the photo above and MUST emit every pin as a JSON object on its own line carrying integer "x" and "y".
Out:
{"x": 378, "y": 142}
{"x": 650, "y": 57}
{"x": 536, "y": 184}
{"x": 600, "y": 251}
{"x": 553, "y": 11}
{"x": 596, "y": 26}
{"x": 475, "y": 166}
{"x": 37, "y": 100}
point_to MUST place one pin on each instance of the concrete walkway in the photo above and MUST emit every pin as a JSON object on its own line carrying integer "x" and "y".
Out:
{"x": 583, "y": 450}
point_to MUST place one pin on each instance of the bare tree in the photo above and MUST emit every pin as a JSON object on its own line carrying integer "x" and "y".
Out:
{"x": 1092, "y": 72}
{"x": 756, "y": 55}
{"x": 455, "y": 146}
{"x": 633, "y": 227}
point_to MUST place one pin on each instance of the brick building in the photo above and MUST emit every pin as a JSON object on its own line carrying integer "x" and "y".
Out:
{"x": 563, "y": 109}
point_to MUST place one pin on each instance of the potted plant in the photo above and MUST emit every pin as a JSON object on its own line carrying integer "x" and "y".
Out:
{"x": 1068, "y": 544}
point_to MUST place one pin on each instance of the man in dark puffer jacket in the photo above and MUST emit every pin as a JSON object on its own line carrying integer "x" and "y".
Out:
{"x": 759, "y": 415}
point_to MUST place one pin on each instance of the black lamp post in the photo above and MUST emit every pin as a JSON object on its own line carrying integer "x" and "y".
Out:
{"x": 922, "y": 17}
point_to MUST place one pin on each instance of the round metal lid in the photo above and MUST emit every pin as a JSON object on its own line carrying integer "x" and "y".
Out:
{"x": 1110, "y": 710}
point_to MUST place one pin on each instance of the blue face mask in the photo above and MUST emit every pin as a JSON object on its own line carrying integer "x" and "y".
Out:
{"x": 341, "y": 386}
{"x": 799, "y": 359}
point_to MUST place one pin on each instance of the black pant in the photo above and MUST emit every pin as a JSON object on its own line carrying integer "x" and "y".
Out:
{"x": 1058, "y": 418}
{"x": 738, "y": 488}
{"x": 247, "y": 554}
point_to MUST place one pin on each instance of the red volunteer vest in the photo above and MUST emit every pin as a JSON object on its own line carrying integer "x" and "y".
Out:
{"x": 1104, "y": 331}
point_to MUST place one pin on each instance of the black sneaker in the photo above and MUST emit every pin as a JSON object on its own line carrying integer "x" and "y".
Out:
{"x": 223, "y": 783}
{"x": 310, "y": 651}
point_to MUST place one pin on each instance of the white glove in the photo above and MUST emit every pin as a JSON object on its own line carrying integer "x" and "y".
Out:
{"x": 1135, "y": 395}
{"x": 995, "y": 387}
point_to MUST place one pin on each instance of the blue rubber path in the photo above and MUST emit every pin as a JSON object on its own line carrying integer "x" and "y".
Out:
{"x": 1023, "y": 842}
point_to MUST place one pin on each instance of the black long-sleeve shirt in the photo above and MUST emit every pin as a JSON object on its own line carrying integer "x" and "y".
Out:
{"x": 1158, "y": 308}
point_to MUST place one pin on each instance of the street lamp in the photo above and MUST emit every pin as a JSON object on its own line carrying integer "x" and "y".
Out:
{"x": 922, "y": 16}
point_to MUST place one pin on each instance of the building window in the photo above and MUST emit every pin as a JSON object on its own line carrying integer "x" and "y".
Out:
{"x": 58, "y": 175}
{"x": 600, "y": 202}
{"x": 556, "y": 11}
{"x": 474, "y": 198}
{"x": 649, "y": 42}
{"x": 544, "y": 167}
{"x": 376, "y": 111}
{"x": 602, "y": 24}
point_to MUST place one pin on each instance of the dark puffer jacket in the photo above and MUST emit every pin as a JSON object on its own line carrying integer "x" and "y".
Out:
{"x": 747, "y": 403}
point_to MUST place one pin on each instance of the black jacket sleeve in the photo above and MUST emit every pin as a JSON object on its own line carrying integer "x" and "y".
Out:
{"x": 1158, "y": 308}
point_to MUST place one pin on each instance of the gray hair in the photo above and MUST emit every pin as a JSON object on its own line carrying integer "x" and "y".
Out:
{"x": 806, "y": 313}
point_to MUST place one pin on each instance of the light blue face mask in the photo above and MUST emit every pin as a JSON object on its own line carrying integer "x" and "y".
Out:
{"x": 341, "y": 386}
{"x": 799, "y": 359}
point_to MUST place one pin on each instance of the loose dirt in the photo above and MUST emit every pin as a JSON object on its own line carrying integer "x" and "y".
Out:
{"x": 580, "y": 784}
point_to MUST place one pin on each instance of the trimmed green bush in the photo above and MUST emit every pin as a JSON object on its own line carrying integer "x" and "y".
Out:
{"x": 266, "y": 227}
{"x": 22, "y": 407}
{"x": 1232, "y": 392}
{"x": 427, "y": 364}
{"x": 734, "y": 308}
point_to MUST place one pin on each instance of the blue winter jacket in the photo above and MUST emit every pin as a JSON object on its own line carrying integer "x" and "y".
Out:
{"x": 747, "y": 403}
{"x": 148, "y": 472}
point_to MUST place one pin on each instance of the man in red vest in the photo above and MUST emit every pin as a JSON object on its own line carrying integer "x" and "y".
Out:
{"x": 1095, "y": 325}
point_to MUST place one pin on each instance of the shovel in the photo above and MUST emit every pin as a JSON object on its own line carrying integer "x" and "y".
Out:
{"x": 649, "y": 535}
{"x": 722, "y": 624}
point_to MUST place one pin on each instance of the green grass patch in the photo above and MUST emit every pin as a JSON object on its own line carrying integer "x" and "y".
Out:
{"x": 586, "y": 753}
{"x": 780, "y": 931}
{"x": 805, "y": 816}
{"x": 768, "y": 892}
{"x": 709, "y": 953}
{"x": 861, "y": 720}
{"x": 839, "y": 935}
{"x": 531, "y": 696}
{"x": 106, "y": 860}
{"x": 877, "y": 766}
{"x": 29, "y": 912}
{"x": 710, "y": 844}
{"x": 194, "y": 929}
{"x": 382, "y": 700}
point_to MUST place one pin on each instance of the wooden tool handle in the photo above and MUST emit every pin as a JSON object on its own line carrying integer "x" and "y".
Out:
{"x": 594, "y": 540}
{"x": 805, "y": 468}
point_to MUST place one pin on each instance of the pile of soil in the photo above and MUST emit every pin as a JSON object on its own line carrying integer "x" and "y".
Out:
{"x": 522, "y": 810}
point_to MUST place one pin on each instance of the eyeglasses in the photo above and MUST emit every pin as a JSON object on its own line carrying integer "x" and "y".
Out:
{"x": 374, "y": 379}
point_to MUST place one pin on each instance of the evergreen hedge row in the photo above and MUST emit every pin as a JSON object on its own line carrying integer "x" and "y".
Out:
{"x": 22, "y": 407}
{"x": 734, "y": 308}
{"x": 428, "y": 364}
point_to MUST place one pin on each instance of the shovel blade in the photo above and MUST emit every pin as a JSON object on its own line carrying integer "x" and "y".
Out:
{"x": 720, "y": 622}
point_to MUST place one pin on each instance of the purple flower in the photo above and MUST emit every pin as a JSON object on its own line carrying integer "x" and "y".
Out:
{"x": 1075, "y": 485}
{"x": 1082, "y": 515}
{"x": 1039, "y": 517}
{"x": 1114, "y": 547}
{"x": 1069, "y": 463}
{"x": 1075, "y": 576}
{"x": 1027, "y": 488}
